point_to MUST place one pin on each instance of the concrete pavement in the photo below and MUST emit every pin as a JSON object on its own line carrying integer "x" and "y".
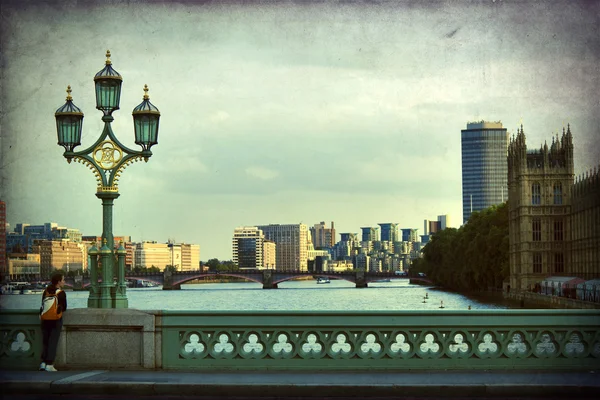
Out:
{"x": 291, "y": 384}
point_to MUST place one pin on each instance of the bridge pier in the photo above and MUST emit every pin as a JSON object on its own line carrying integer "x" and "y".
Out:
{"x": 268, "y": 279}
{"x": 78, "y": 283}
{"x": 168, "y": 281}
{"x": 361, "y": 282}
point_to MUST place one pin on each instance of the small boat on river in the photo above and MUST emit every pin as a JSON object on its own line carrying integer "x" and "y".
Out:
{"x": 323, "y": 280}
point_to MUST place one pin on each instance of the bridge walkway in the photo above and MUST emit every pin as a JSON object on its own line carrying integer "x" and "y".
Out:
{"x": 84, "y": 384}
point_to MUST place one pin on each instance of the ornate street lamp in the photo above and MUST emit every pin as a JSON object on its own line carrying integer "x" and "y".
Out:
{"x": 107, "y": 158}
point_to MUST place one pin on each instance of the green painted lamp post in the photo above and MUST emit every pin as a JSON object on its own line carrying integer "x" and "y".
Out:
{"x": 107, "y": 158}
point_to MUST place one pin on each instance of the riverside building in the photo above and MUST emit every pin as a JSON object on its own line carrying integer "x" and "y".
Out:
{"x": 323, "y": 237}
{"x": 127, "y": 244}
{"x": 62, "y": 255}
{"x": 389, "y": 232}
{"x": 182, "y": 256}
{"x": 554, "y": 221}
{"x": 248, "y": 245}
{"x": 291, "y": 245}
{"x": 24, "y": 236}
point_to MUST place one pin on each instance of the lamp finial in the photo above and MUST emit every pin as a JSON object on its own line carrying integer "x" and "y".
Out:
{"x": 69, "y": 98}
{"x": 146, "y": 97}
{"x": 108, "y": 62}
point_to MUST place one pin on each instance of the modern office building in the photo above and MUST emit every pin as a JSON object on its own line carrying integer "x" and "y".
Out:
{"x": 375, "y": 264}
{"x": 23, "y": 266}
{"x": 24, "y": 235}
{"x": 370, "y": 234}
{"x": 484, "y": 148}
{"x": 347, "y": 247}
{"x": 323, "y": 237}
{"x": 389, "y": 232}
{"x": 248, "y": 247}
{"x": 431, "y": 227}
{"x": 153, "y": 254}
{"x": 361, "y": 261}
{"x": 349, "y": 237}
{"x": 182, "y": 256}
{"x": 444, "y": 220}
{"x": 62, "y": 255}
{"x": 190, "y": 257}
{"x": 269, "y": 254}
{"x": 291, "y": 245}
{"x": 410, "y": 235}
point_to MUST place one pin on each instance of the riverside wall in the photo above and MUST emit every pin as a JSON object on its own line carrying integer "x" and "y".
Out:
{"x": 530, "y": 300}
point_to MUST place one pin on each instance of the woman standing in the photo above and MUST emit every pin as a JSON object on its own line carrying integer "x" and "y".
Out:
{"x": 54, "y": 303}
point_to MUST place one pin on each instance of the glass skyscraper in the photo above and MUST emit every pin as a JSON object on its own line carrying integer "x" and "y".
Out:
{"x": 484, "y": 148}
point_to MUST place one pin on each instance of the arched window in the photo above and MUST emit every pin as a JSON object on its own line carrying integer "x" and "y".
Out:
{"x": 536, "y": 194}
{"x": 559, "y": 263}
{"x": 537, "y": 263}
{"x": 536, "y": 230}
{"x": 558, "y": 193}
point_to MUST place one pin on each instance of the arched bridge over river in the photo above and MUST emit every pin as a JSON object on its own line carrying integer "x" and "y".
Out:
{"x": 269, "y": 278}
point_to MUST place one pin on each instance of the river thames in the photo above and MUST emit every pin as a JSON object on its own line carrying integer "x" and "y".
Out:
{"x": 291, "y": 295}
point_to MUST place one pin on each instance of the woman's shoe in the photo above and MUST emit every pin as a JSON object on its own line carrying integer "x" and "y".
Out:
{"x": 43, "y": 366}
{"x": 50, "y": 368}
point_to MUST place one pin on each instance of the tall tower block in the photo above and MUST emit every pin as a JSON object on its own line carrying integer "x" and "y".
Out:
{"x": 484, "y": 147}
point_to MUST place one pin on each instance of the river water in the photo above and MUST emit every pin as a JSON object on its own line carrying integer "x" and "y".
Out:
{"x": 291, "y": 295}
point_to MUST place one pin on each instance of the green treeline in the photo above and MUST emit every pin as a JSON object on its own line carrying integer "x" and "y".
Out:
{"x": 471, "y": 258}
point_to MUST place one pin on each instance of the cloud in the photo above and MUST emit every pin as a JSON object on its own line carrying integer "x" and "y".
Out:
{"x": 262, "y": 173}
{"x": 219, "y": 116}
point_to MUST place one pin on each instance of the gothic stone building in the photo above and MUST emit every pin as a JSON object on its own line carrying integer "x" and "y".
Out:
{"x": 553, "y": 221}
{"x": 585, "y": 226}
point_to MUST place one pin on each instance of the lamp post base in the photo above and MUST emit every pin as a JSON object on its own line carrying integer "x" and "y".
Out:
{"x": 120, "y": 303}
{"x": 105, "y": 302}
{"x": 119, "y": 297}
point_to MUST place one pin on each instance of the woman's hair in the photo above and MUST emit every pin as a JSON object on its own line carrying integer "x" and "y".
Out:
{"x": 57, "y": 277}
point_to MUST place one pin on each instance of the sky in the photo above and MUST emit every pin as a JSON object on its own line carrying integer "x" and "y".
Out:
{"x": 286, "y": 112}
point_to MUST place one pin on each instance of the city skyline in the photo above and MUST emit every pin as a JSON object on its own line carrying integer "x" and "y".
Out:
{"x": 287, "y": 113}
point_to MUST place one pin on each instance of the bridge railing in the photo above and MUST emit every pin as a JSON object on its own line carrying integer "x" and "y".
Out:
{"x": 495, "y": 339}
{"x": 403, "y": 340}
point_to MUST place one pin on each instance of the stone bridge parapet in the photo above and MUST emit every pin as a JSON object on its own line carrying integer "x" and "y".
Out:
{"x": 310, "y": 340}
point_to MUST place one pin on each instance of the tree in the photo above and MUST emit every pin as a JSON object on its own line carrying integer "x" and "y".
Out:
{"x": 474, "y": 257}
{"x": 213, "y": 264}
{"x": 153, "y": 269}
{"x": 228, "y": 266}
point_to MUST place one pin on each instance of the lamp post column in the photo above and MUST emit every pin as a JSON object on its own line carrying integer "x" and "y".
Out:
{"x": 120, "y": 297}
{"x": 94, "y": 295}
{"x": 107, "y": 217}
{"x": 108, "y": 260}
{"x": 106, "y": 256}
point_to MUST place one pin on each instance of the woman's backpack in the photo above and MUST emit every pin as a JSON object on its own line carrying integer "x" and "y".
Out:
{"x": 49, "y": 309}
